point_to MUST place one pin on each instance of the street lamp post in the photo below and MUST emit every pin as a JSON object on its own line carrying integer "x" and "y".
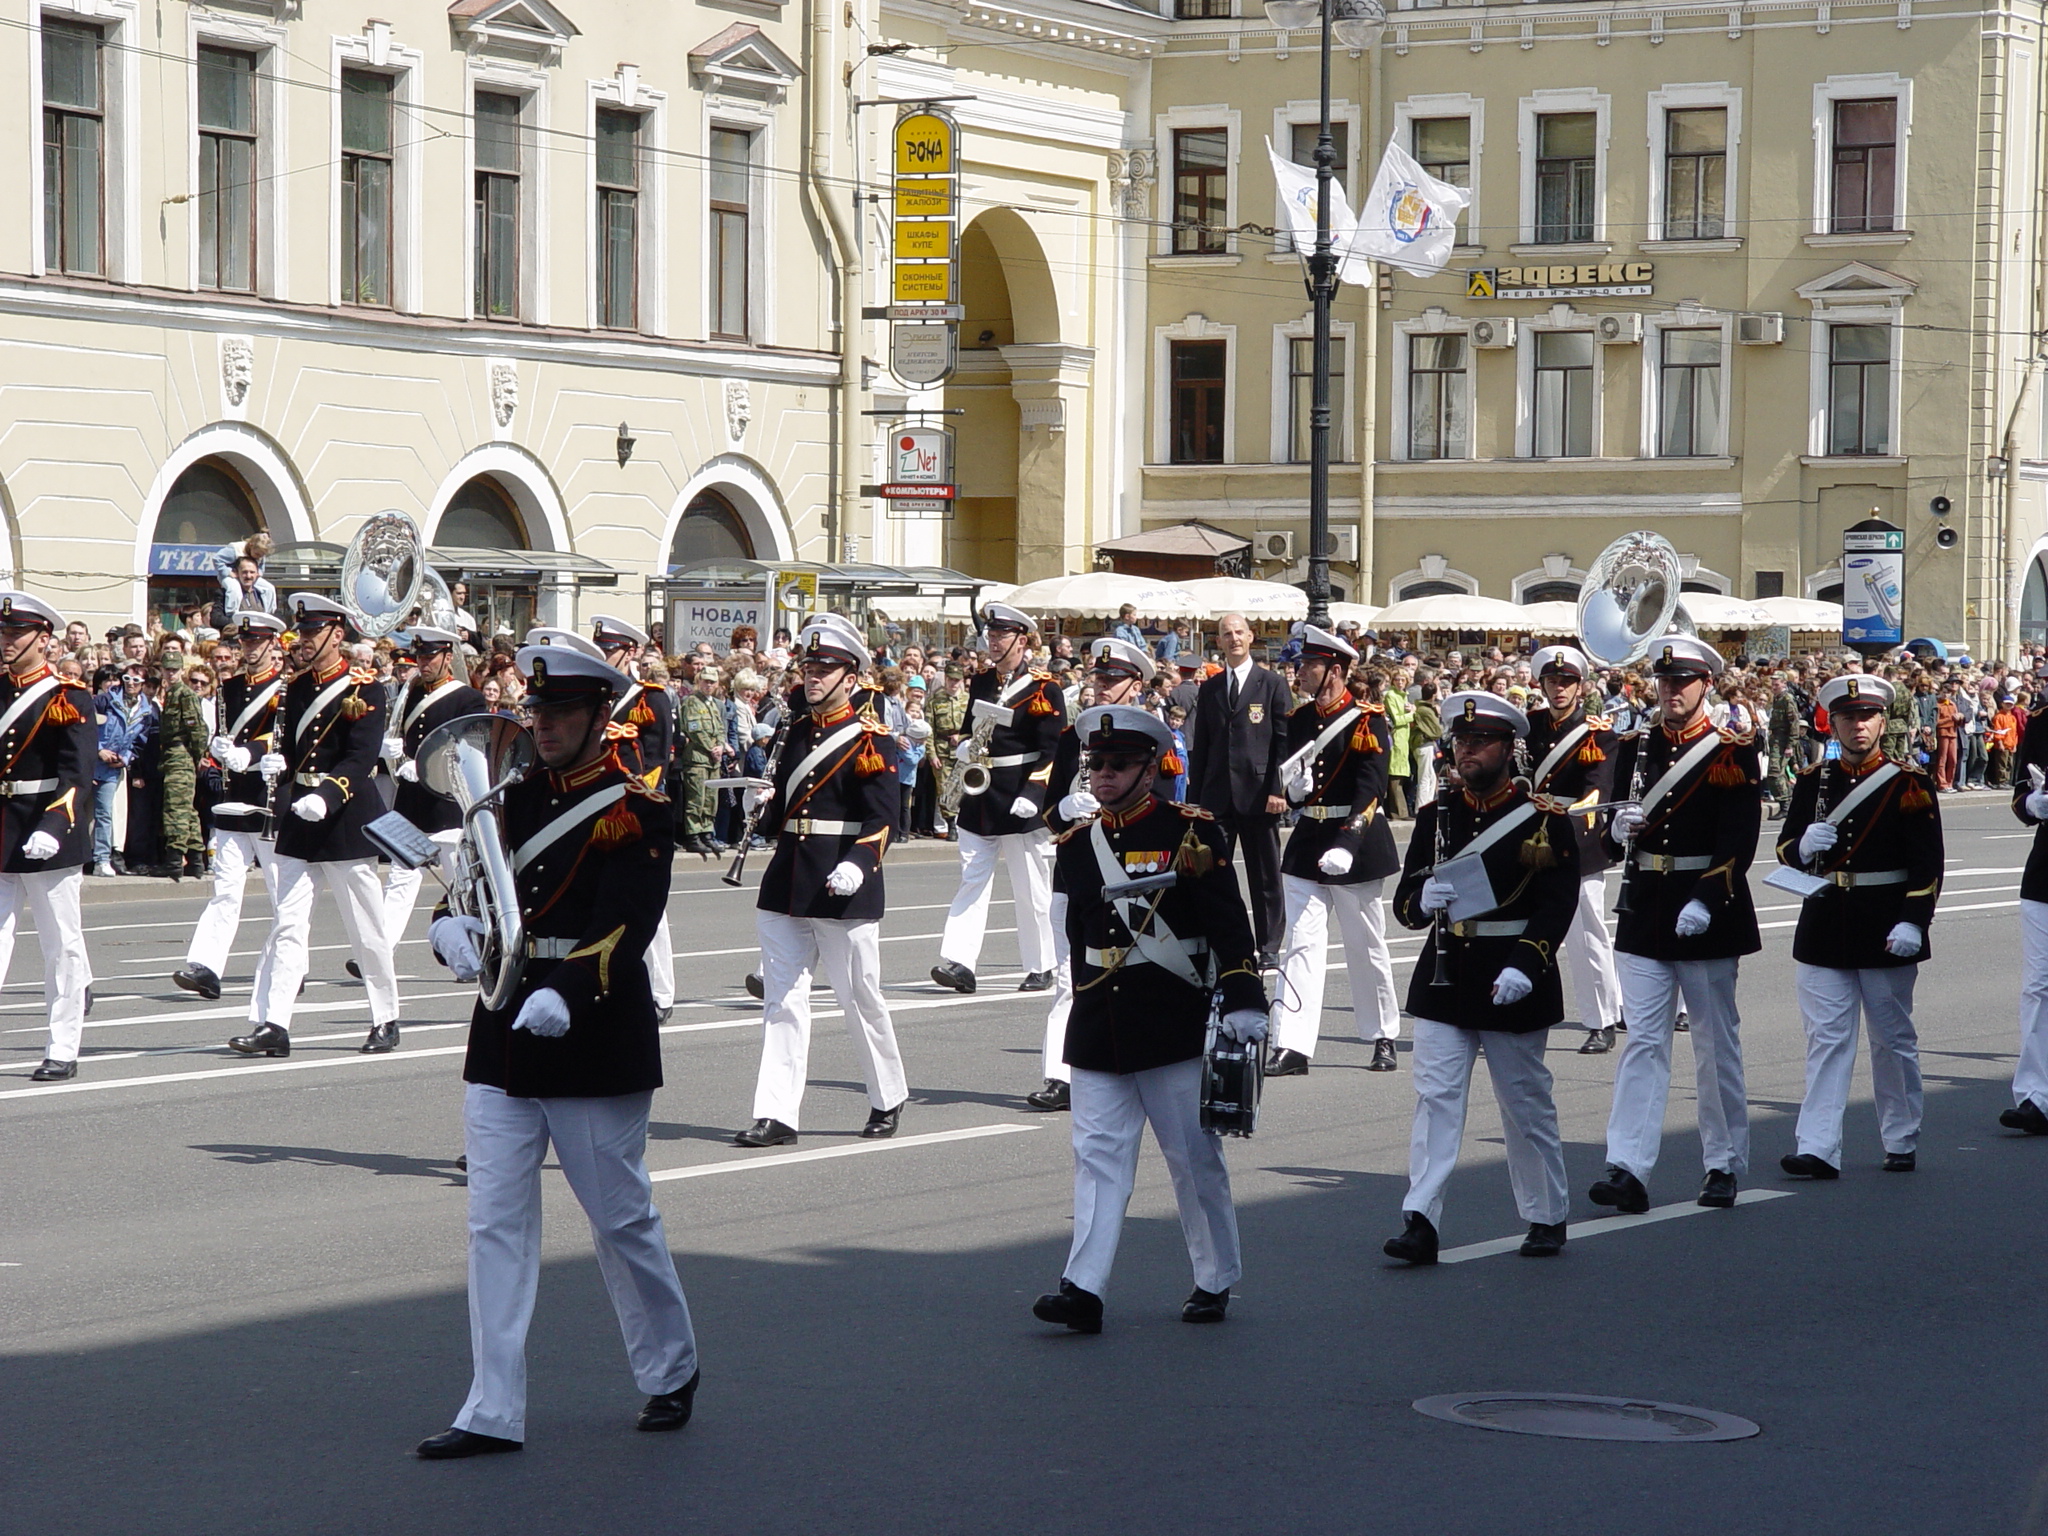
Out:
{"x": 1356, "y": 24}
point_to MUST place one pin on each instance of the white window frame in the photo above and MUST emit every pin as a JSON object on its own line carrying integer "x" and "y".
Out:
{"x": 625, "y": 92}
{"x": 1690, "y": 569}
{"x": 1554, "y": 568}
{"x": 1342, "y": 333}
{"x": 1559, "y": 317}
{"x": 1859, "y": 88}
{"x": 1192, "y": 327}
{"x": 1433, "y": 321}
{"x": 1454, "y": 104}
{"x": 1684, "y": 319}
{"x": 1679, "y": 98}
{"x": 535, "y": 267}
{"x": 760, "y": 124}
{"x": 1553, "y": 103}
{"x": 1179, "y": 119}
{"x": 211, "y": 29}
{"x": 1431, "y": 568}
{"x": 377, "y": 53}
{"x": 1824, "y": 320}
{"x": 1309, "y": 113}
{"x": 120, "y": 63}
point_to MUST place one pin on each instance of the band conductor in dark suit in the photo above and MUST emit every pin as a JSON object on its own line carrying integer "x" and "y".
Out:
{"x": 1240, "y": 737}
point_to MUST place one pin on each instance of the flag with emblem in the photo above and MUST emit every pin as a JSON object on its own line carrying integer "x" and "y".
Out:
{"x": 1409, "y": 219}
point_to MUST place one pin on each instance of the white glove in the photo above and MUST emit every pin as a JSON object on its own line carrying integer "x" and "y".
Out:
{"x": 234, "y": 759}
{"x": 1024, "y": 808}
{"x": 40, "y": 846}
{"x": 1628, "y": 821}
{"x": 753, "y": 797}
{"x": 1693, "y": 920}
{"x": 1243, "y": 1025}
{"x": 1511, "y": 986}
{"x": 454, "y": 940}
{"x": 545, "y": 1014}
{"x": 407, "y": 770}
{"x": 1905, "y": 940}
{"x": 394, "y": 747}
{"x": 845, "y": 879}
{"x": 1335, "y": 861}
{"x": 2037, "y": 804}
{"x": 1078, "y": 806}
{"x": 1436, "y": 894}
{"x": 1301, "y": 780}
{"x": 1818, "y": 838}
{"x": 272, "y": 766}
{"x": 219, "y": 748}
{"x": 310, "y": 808}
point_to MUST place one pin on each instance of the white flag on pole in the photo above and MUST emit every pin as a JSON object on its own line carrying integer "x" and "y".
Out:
{"x": 1410, "y": 219}
{"x": 1298, "y": 198}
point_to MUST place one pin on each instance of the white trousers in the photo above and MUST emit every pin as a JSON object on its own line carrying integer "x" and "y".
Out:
{"x": 402, "y": 887}
{"x": 1062, "y": 994}
{"x": 1650, "y": 991}
{"x": 281, "y": 967}
{"x": 602, "y": 1147}
{"x": 1589, "y": 951}
{"x": 1830, "y": 1002}
{"x": 221, "y": 919}
{"x": 1110, "y": 1110}
{"x": 1029, "y": 855}
{"x": 1442, "y": 1068}
{"x": 851, "y": 953}
{"x": 1305, "y": 962}
{"x": 661, "y": 964}
{"x": 51, "y": 897}
{"x": 2030, "y": 1077}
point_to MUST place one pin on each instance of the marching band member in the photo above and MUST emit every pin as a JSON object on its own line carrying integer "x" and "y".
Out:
{"x": 1687, "y": 920}
{"x": 1573, "y": 752}
{"x": 329, "y": 735}
{"x": 830, "y": 810}
{"x": 1871, "y": 826}
{"x": 1501, "y": 991}
{"x": 1121, "y": 671}
{"x": 1143, "y": 968}
{"x": 250, "y": 704}
{"x": 572, "y": 1060}
{"x": 2029, "y": 1110}
{"x": 1337, "y": 859}
{"x": 643, "y": 724}
{"x": 1006, "y": 818}
{"x": 433, "y": 698}
{"x": 48, "y": 744}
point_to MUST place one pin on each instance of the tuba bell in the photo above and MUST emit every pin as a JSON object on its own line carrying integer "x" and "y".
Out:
{"x": 1630, "y": 598}
{"x": 472, "y": 760}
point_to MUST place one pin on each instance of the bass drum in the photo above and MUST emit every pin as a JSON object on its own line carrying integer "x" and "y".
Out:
{"x": 1233, "y": 1072}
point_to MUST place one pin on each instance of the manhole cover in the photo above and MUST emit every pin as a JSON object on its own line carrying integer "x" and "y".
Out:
{"x": 1568, "y": 1416}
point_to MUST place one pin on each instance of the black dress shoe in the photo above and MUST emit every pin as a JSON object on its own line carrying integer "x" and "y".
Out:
{"x": 1717, "y": 1189}
{"x": 263, "y": 1040}
{"x": 1383, "y": 1057}
{"x": 1545, "y": 1240}
{"x": 1804, "y": 1165}
{"x": 2025, "y": 1116}
{"x": 1205, "y": 1306}
{"x": 1598, "y": 1042}
{"x": 381, "y": 1041}
{"x": 1682, "y": 1024}
{"x": 1035, "y": 981}
{"x": 881, "y": 1123}
{"x": 1899, "y": 1162}
{"x": 669, "y": 1410}
{"x": 452, "y": 1444}
{"x": 353, "y": 969}
{"x": 766, "y": 1133}
{"x": 1622, "y": 1190}
{"x": 1070, "y": 1305}
{"x": 1286, "y": 1063}
{"x": 950, "y": 973}
{"x": 53, "y": 1071}
{"x": 200, "y": 979}
{"x": 756, "y": 988}
{"x": 1416, "y": 1244}
{"x": 663, "y": 1015}
{"x": 1053, "y": 1096}
{"x": 1269, "y": 960}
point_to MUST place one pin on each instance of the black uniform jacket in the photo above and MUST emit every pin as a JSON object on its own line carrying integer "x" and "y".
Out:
{"x": 603, "y": 884}
{"x": 1235, "y": 757}
{"x": 249, "y": 711}
{"x": 644, "y": 729}
{"x": 1133, "y": 1013}
{"x": 836, "y": 801}
{"x": 331, "y": 735}
{"x": 421, "y": 711}
{"x": 1534, "y": 870}
{"x": 1346, "y": 809}
{"x": 1066, "y": 772}
{"x": 1032, "y": 736}
{"x": 1897, "y": 827}
{"x": 2033, "y": 753}
{"x": 47, "y": 754}
{"x": 1569, "y": 759}
{"x": 1714, "y": 815}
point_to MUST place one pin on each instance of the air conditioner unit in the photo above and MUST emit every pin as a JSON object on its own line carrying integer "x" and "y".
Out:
{"x": 1346, "y": 542}
{"x": 1759, "y": 330}
{"x": 1493, "y": 333}
{"x": 1273, "y": 544}
{"x": 1622, "y": 330}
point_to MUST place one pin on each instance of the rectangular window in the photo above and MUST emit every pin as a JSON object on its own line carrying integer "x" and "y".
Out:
{"x": 1696, "y": 173}
{"x": 1866, "y": 165}
{"x": 1567, "y": 159}
{"x": 1201, "y": 191}
{"x": 1564, "y": 395}
{"x": 1301, "y": 388}
{"x": 227, "y": 169}
{"x": 1201, "y": 10}
{"x": 618, "y": 219}
{"x": 1301, "y": 149}
{"x": 499, "y": 141}
{"x": 366, "y": 149}
{"x": 1437, "y": 425}
{"x": 74, "y": 149}
{"x": 1443, "y": 147}
{"x": 732, "y": 154}
{"x": 1196, "y": 390}
{"x": 1770, "y": 584}
{"x": 1689, "y": 389}
{"x": 1859, "y": 389}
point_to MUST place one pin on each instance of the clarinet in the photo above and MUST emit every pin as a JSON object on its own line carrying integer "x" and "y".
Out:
{"x": 1635, "y": 793}
{"x": 1820, "y": 814}
{"x": 1440, "y": 931}
{"x": 790, "y": 708}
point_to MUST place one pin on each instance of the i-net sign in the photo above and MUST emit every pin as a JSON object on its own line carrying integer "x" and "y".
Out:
{"x": 922, "y": 456}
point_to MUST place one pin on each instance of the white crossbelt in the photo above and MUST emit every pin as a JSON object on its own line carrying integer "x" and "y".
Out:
{"x": 28, "y": 700}
{"x": 810, "y": 826}
{"x": 832, "y": 742}
{"x": 570, "y": 819}
{"x": 420, "y": 708}
{"x": 1554, "y": 758}
{"x": 12, "y": 787}
{"x": 254, "y": 708}
{"x": 321, "y": 700}
{"x": 1872, "y": 783}
{"x": 1151, "y": 939}
{"x": 1679, "y": 771}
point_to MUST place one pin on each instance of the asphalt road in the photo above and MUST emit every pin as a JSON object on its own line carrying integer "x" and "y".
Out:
{"x": 231, "y": 1293}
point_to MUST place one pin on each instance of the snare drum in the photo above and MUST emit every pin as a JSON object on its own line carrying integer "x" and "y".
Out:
{"x": 1232, "y": 1074}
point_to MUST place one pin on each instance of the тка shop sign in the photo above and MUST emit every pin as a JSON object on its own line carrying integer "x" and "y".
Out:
{"x": 1592, "y": 280}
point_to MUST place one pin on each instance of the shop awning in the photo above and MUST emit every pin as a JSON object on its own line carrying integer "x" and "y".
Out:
{"x": 315, "y": 561}
{"x": 1182, "y": 539}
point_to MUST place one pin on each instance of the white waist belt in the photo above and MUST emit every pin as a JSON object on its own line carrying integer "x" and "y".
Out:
{"x": 805, "y": 826}
{"x": 1103, "y": 959}
{"x": 1667, "y": 864}
{"x": 1504, "y": 929}
{"x": 309, "y": 780}
{"x": 1326, "y": 812}
{"x": 12, "y": 787}
{"x": 549, "y": 949}
{"x": 1850, "y": 879}
{"x": 1013, "y": 760}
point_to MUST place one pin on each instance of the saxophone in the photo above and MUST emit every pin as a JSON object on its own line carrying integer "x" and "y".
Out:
{"x": 970, "y": 775}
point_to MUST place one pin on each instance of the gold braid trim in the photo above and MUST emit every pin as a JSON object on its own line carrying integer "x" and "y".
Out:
{"x": 602, "y": 952}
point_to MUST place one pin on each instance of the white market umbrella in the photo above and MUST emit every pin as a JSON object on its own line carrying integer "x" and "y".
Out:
{"x": 1102, "y": 595}
{"x": 1453, "y": 610}
{"x": 1270, "y": 601}
{"x": 1801, "y": 613}
{"x": 1354, "y": 613}
{"x": 1552, "y": 618}
{"x": 1713, "y": 610}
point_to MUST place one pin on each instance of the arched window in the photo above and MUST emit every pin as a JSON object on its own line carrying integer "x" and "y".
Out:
{"x": 1551, "y": 592}
{"x": 481, "y": 516}
{"x": 209, "y": 504}
{"x": 710, "y": 530}
{"x": 2034, "y": 604}
{"x": 1830, "y": 594}
{"x": 1432, "y": 589}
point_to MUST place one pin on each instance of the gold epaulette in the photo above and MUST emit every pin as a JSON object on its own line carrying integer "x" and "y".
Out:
{"x": 1816, "y": 768}
{"x": 1906, "y": 765}
{"x": 873, "y": 726}
{"x": 1556, "y": 805}
{"x": 641, "y": 789}
{"x": 362, "y": 675}
{"x": 1736, "y": 738}
{"x": 1600, "y": 722}
{"x": 1192, "y": 812}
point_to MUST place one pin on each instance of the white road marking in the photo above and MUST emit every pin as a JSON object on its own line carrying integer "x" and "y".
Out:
{"x": 784, "y": 1159}
{"x": 254, "y": 1068}
{"x": 240, "y": 1013}
{"x": 1580, "y": 1231}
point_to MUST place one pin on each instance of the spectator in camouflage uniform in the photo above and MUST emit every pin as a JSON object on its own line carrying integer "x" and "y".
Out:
{"x": 700, "y": 742}
{"x": 947, "y": 714}
{"x": 1901, "y": 720}
{"x": 183, "y": 735}
{"x": 1787, "y": 738}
